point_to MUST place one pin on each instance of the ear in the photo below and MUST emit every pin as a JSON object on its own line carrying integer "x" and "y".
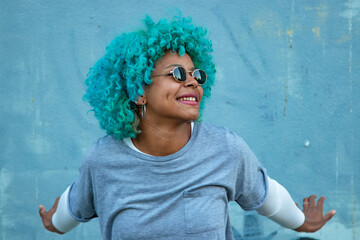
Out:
{"x": 141, "y": 100}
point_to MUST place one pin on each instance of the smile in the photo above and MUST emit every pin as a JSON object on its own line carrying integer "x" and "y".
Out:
{"x": 187, "y": 99}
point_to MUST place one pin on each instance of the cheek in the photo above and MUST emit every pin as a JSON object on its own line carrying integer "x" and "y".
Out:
{"x": 201, "y": 93}
{"x": 170, "y": 91}
{"x": 171, "y": 94}
{"x": 163, "y": 93}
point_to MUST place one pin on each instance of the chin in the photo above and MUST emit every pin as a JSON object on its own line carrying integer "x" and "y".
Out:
{"x": 188, "y": 115}
{"x": 193, "y": 117}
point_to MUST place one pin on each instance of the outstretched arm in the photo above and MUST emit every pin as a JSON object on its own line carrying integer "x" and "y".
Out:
{"x": 279, "y": 207}
{"x": 46, "y": 217}
{"x": 314, "y": 219}
{"x": 58, "y": 219}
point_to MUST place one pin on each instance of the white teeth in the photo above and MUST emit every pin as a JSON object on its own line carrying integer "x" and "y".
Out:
{"x": 188, "y": 99}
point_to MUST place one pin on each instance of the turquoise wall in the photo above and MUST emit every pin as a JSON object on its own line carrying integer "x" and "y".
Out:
{"x": 287, "y": 82}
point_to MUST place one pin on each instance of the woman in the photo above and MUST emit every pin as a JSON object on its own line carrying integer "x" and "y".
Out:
{"x": 160, "y": 173}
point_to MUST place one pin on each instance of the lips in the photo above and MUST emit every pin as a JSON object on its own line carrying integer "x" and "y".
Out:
{"x": 189, "y": 99}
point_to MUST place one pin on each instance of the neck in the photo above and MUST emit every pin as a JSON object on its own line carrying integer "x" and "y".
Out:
{"x": 162, "y": 139}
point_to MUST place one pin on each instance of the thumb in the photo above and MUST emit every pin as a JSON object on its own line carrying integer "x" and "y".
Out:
{"x": 42, "y": 210}
{"x": 54, "y": 207}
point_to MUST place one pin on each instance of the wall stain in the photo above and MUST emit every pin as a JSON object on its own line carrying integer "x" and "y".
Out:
{"x": 343, "y": 39}
{"x": 316, "y": 30}
{"x": 304, "y": 75}
{"x": 286, "y": 94}
{"x": 290, "y": 34}
{"x": 36, "y": 189}
{"x": 350, "y": 55}
{"x": 247, "y": 62}
{"x": 249, "y": 31}
{"x": 353, "y": 203}
{"x": 322, "y": 11}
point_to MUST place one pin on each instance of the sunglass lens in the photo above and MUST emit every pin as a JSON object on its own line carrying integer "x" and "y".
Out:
{"x": 199, "y": 76}
{"x": 179, "y": 74}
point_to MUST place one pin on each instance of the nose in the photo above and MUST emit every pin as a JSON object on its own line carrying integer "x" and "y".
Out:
{"x": 190, "y": 81}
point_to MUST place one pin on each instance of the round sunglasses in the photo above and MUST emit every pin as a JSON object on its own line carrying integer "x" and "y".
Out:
{"x": 179, "y": 74}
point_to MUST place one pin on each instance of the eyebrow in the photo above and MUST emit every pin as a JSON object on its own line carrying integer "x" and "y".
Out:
{"x": 178, "y": 65}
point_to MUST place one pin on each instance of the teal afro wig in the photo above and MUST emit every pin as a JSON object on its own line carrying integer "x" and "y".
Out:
{"x": 118, "y": 79}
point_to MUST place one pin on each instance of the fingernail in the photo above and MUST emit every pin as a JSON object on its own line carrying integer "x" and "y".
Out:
{"x": 333, "y": 211}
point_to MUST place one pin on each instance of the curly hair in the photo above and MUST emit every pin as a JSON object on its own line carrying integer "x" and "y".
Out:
{"x": 119, "y": 77}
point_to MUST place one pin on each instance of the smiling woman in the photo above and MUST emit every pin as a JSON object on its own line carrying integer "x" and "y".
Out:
{"x": 160, "y": 173}
{"x": 119, "y": 78}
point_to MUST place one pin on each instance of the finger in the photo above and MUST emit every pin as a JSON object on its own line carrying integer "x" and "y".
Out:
{"x": 42, "y": 210}
{"x": 329, "y": 215}
{"x": 305, "y": 203}
{"x": 320, "y": 202}
{"x": 312, "y": 199}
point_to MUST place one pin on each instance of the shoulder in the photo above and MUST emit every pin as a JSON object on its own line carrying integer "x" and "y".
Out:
{"x": 212, "y": 131}
{"x": 217, "y": 134}
{"x": 104, "y": 146}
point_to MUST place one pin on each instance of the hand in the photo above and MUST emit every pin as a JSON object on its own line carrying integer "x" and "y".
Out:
{"x": 46, "y": 217}
{"x": 314, "y": 219}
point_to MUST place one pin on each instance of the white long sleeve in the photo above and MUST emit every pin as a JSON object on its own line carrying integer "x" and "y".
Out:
{"x": 280, "y": 207}
{"x": 62, "y": 219}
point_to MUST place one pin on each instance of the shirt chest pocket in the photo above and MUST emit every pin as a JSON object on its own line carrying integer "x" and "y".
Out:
{"x": 205, "y": 209}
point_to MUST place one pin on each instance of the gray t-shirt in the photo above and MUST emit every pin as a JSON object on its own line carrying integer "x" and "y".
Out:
{"x": 184, "y": 195}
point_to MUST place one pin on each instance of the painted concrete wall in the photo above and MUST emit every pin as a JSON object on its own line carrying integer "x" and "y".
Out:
{"x": 287, "y": 82}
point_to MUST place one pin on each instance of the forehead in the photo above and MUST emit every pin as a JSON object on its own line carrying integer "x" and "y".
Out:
{"x": 174, "y": 59}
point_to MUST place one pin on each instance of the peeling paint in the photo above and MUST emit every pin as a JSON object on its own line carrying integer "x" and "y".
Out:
{"x": 343, "y": 39}
{"x": 290, "y": 34}
{"x": 322, "y": 11}
{"x": 316, "y": 30}
{"x": 260, "y": 22}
